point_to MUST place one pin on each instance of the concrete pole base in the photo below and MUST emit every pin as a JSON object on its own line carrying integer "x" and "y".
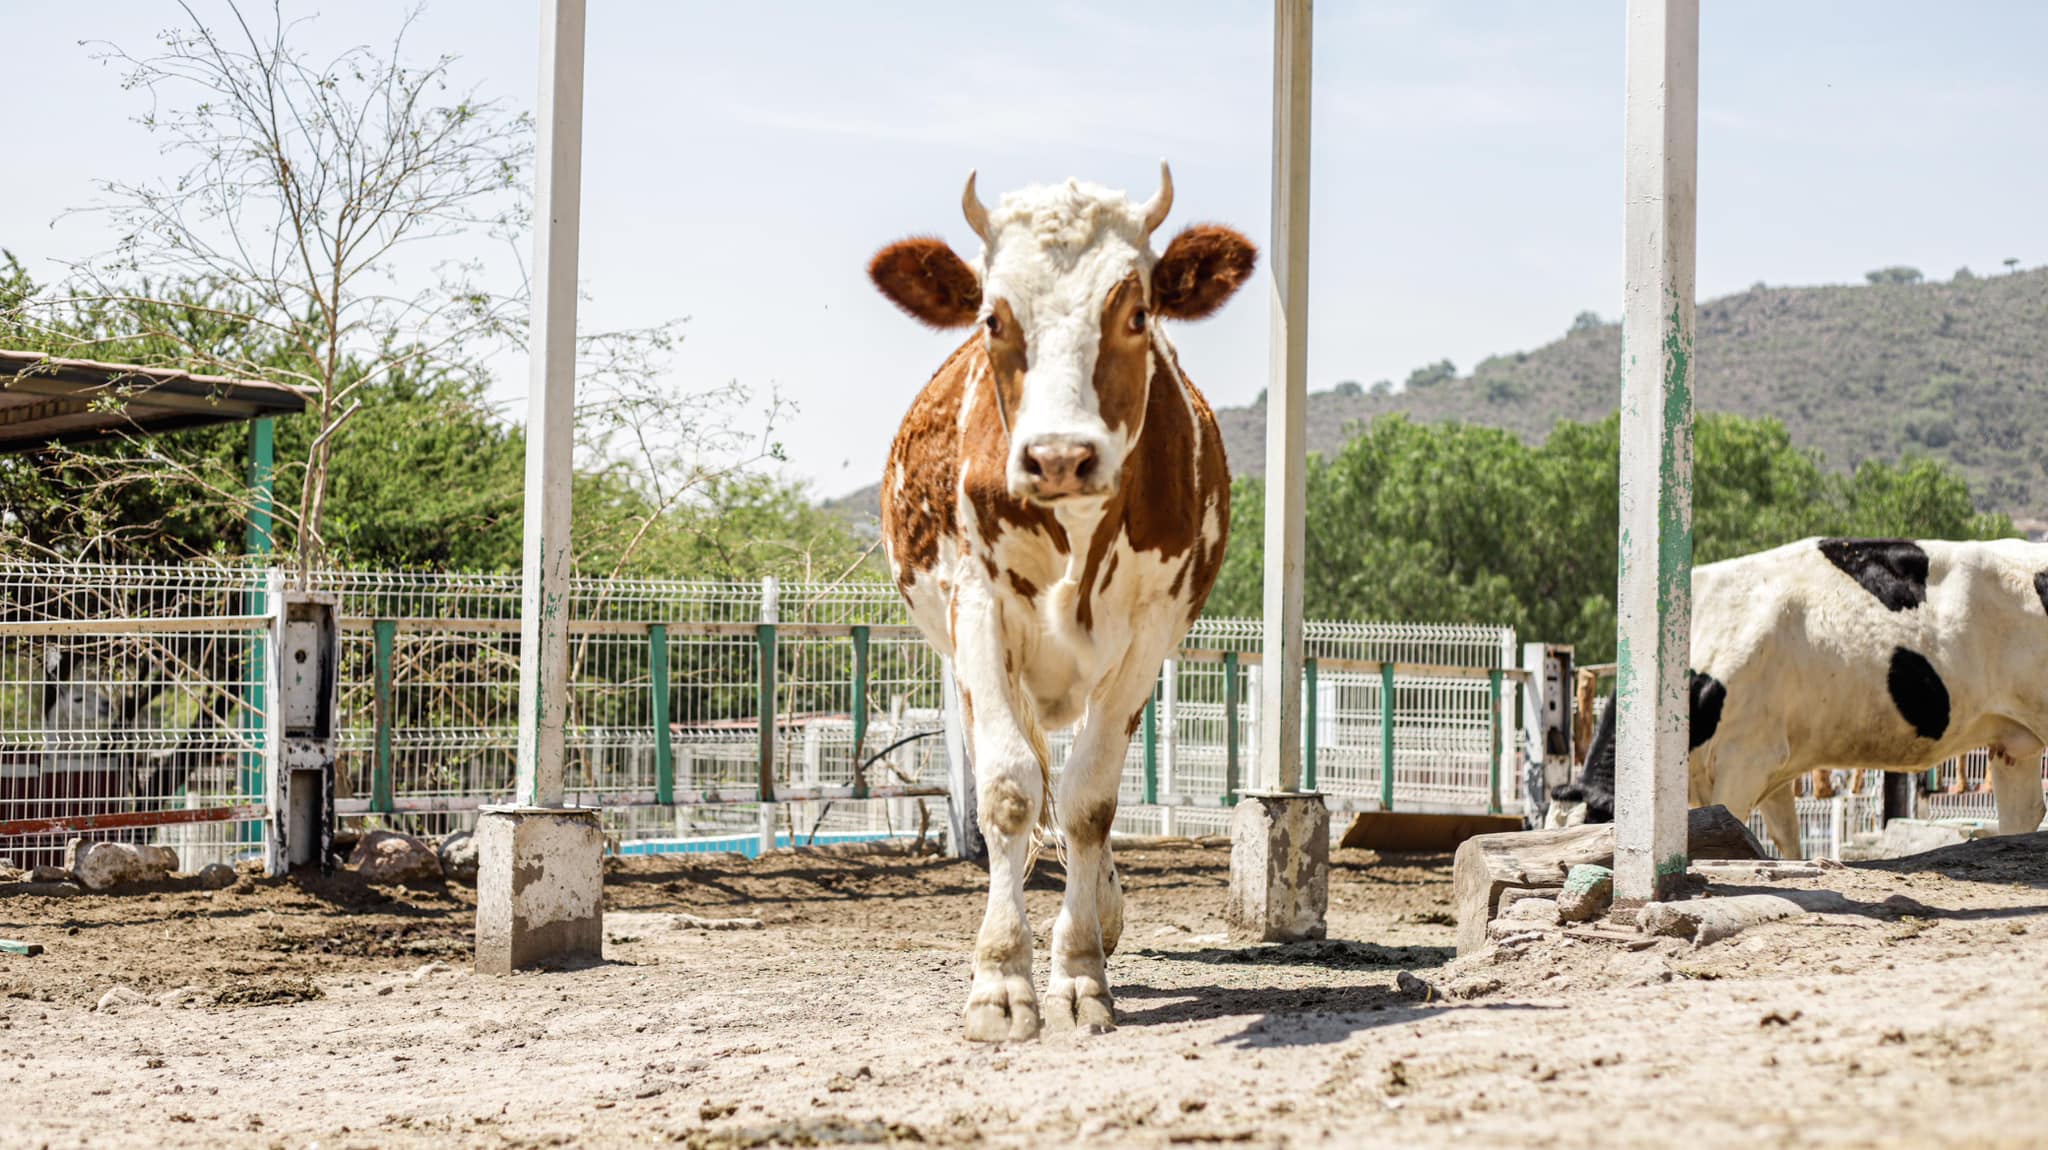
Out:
{"x": 539, "y": 887}
{"x": 1279, "y": 868}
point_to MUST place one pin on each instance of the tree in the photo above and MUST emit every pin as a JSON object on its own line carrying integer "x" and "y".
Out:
{"x": 1442, "y": 371}
{"x": 1454, "y": 522}
{"x": 2012, "y": 264}
{"x": 1964, "y": 275}
{"x": 1898, "y": 274}
{"x": 1587, "y": 321}
{"x": 1349, "y": 389}
{"x": 354, "y": 226}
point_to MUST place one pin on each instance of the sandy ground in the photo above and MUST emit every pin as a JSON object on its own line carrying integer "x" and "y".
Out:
{"x": 317, "y": 1015}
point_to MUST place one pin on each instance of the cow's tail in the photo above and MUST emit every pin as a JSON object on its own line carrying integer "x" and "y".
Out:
{"x": 1026, "y": 709}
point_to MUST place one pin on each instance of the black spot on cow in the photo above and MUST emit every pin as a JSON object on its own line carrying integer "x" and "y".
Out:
{"x": 1708, "y": 695}
{"x": 1918, "y": 693}
{"x": 2041, "y": 588}
{"x": 1595, "y": 785}
{"x": 1893, "y": 570}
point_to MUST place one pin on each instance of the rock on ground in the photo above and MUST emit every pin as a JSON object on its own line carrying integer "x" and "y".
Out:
{"x": 458, "y": 856}
{"x": 103, "y": 866}
{"x": 392, "y": 859}
{"x": 214, "y": 876}
{"x": 1588, "y": 892}
{"x": 118, "y": 996}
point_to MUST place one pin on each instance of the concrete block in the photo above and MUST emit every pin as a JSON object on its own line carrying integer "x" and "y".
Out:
{"x": 540, "y": 887}
{"x": 1279, "y": 868}
{"x": 1904, "y": 837}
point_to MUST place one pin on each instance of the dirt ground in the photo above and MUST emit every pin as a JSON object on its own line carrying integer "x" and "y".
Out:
{"x": 298, "y": 1013}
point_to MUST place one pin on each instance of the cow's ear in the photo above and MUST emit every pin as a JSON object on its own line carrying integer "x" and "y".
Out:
{"x": 1203, "y": 266}
{"x": 922, "y": 276}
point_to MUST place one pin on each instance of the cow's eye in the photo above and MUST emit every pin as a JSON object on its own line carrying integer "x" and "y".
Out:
{"x": 1138, "y": 321}
{"x": 995, "y": 325}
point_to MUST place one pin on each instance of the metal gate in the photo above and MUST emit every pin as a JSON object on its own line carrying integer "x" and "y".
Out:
{"x": 132, "y": 707}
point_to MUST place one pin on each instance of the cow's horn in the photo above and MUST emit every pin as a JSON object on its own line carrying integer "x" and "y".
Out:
{"x": 977, "y": 215}
{"x": 1162, "y": 203}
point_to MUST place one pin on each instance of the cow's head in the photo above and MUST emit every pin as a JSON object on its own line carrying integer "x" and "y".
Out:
{"x": 1066, "y": 289}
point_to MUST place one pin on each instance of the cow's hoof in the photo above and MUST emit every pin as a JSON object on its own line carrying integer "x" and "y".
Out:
{"x": 1082, "y": 1003}
{"x": 1002, "y": 1012}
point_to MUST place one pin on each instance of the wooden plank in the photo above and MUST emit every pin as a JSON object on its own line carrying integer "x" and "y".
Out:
{"x": 58, "y": 824}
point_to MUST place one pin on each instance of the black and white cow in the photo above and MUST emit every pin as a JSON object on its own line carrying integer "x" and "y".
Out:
{"x": 1885, "y": 654}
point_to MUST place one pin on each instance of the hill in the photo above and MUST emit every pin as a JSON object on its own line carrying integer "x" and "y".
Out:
{"x": 1957, "y": 371}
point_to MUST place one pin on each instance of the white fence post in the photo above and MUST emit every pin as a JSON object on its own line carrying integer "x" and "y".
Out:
{"x": 1279, "y": 732}
{"x": 551, "y": 409}
{"x": 273, "y": 724}
{"x": 1654, "y": 604}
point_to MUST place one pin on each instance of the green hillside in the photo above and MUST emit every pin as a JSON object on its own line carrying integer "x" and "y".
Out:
{"x": 1957, "y": 371}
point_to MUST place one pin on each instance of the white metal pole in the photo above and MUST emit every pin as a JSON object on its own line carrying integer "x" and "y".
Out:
{"x": 1654, "y": 606}
{"x": 1279, "y": 736}
{"x": 551, "y": 407}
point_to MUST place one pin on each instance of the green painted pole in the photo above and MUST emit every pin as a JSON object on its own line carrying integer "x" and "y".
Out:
{"x": 1229, "y": 728}
{"x": 664, "y": 739}
{"x": 257, "y": 541}
{"x": 256, "y": 538}
{"x": 383, "y": 632}
{"x": 1493, "y": 681}
{"x": 1308, "y": 735}
{"x": 860, "y": 711}
{"x": 1386, "y": 736}
{"x": 764, "y": 704}
{"x": 1152, "y": 747}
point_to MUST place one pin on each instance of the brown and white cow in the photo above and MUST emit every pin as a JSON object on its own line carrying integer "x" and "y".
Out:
{"x": 1055, "y": 508}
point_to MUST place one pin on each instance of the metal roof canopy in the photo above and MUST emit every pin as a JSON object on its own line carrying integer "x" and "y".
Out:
{"x": 45, "y": 399}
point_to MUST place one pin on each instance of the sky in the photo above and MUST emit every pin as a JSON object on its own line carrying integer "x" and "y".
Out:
{"x": 743, "y": 161}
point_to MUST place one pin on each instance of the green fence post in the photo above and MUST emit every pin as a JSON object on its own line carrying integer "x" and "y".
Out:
{"x": 1386, "y": 736}
{"x": 255, "y": 673}
{"x": 860, "y": 710}
{"x": 664, "y": 739}
{"x": 384, "y": 633}
{"x": 764, "y": 703}
{"x": 1152, "y": 747}
{"x": 1229, "y": 728}
{"x": 1493, "y": 679}
{"x": 1308, "y": 754}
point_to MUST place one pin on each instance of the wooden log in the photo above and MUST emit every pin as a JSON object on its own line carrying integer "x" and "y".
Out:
{"x": 1486, "y": 865}
{"x": 1709, "y": 920}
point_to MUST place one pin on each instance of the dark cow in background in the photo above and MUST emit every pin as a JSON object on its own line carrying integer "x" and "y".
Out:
{"x": 1885, "y": 654}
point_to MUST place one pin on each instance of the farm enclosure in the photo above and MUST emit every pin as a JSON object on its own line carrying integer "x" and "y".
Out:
{"x": 314, "y": 1012}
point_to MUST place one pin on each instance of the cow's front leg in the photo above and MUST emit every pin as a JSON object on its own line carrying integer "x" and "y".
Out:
{"x": 1009, "y": 786}
{"x": 1091, "y": 918}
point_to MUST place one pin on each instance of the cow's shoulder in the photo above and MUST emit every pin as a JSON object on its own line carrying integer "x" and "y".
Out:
{"x": 919, "y": 484}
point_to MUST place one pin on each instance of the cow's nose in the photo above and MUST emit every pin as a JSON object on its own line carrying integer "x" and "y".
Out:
{"x": 1060, "y": 467}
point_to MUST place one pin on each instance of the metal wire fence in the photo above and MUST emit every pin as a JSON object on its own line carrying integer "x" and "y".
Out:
{"x": 135, "y": 691}
{"x": 131, "y": 695}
